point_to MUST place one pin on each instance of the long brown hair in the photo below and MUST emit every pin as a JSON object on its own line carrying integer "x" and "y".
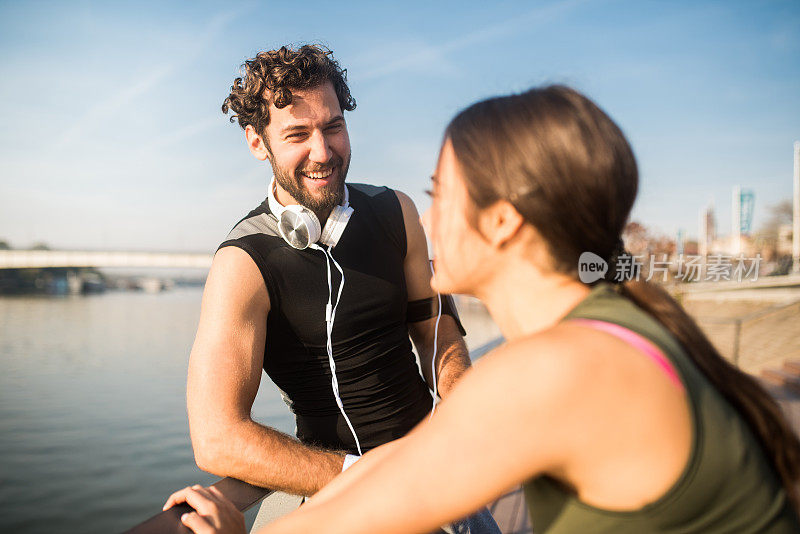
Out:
{"x": 569, "y": 171}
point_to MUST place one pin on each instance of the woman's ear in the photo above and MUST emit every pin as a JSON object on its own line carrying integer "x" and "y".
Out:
{"x": 499, "y": 223}
{"x": 255, "y": 143}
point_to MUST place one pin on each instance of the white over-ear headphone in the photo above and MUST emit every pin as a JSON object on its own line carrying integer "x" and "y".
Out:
{"x": 299, "y": 225}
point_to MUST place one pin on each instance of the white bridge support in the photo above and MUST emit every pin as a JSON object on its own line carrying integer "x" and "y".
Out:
{"x": 40, "y": 259}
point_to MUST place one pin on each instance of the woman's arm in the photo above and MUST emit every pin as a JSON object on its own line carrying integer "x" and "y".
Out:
{"x": 502, "y": 424}
{"x": 577, "y": 404}
{"x": 354, "y": 473}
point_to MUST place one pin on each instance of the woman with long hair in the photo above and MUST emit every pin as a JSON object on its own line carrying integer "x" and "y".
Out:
{"x": 606, "y": 402}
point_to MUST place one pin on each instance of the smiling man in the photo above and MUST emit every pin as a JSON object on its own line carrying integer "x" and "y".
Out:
{"x": 320, "y": 286}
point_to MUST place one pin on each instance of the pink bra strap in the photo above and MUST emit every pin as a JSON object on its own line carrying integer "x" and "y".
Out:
{"x": 637, "y": 341}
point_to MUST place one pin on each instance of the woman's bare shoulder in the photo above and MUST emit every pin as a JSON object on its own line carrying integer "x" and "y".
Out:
{"x": 555, "y": 360}
{"x": 562, "y": 375}
{"x": 541, "y": 378}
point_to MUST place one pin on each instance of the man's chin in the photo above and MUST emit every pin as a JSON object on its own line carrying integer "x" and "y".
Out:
{"x": 322, "y": 190}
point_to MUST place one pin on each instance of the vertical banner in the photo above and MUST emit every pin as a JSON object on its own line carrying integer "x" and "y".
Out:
{"x": 746, "y": 204}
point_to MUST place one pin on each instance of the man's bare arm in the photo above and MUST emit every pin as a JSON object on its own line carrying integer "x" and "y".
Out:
{"x": 224, "y": 374}
{"x": 452, "y": 357}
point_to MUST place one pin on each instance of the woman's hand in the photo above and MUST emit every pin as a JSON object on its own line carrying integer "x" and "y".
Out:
{"x": 214, "y": 514}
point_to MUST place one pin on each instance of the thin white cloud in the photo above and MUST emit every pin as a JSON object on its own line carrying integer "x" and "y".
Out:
{"x": 123, "y": 98}
{"x": 435, "y": 53}
{"x": 109, "y": 106}
{"x": 182, "y": 134}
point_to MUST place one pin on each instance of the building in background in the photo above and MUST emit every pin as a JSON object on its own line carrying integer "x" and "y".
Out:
{"x": 742, "y": 218}
{"x": 796, "y": 211}
{"x": 708, "y": 230}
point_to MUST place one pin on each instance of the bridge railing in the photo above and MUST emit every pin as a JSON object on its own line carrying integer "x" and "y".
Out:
{"x": 243, "y": 495}
{"x": 755, "y": 340}
{"x": 42, "y": 259}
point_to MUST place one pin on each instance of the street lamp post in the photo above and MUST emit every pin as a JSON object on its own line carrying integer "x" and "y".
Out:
{"x": 796, "y": 211}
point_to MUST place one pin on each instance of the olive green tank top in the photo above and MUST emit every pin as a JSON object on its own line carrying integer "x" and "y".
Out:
{"x": 727, "y": 485}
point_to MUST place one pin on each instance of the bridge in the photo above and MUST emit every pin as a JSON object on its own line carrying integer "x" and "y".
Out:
{"x": 43, "y": 259}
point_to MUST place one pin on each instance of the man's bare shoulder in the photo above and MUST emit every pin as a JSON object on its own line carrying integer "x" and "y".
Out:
{"x": 407, "y": 205}
{"x": 414, "y": 231}
{"x": 236, "y": 279}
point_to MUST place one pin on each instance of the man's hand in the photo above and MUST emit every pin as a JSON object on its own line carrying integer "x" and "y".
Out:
{"x": 214, "y": 514}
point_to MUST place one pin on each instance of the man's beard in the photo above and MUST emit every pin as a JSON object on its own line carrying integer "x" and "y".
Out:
{"x": 293, "y": 184}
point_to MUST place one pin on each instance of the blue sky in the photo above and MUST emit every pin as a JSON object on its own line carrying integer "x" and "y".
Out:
{"x": 112, "y": 135}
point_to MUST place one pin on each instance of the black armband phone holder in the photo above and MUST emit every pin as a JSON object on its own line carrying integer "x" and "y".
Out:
{"x": 424, "y": 309}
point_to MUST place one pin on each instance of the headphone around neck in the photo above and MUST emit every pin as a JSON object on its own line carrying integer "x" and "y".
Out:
{"x": 300, "y": 227}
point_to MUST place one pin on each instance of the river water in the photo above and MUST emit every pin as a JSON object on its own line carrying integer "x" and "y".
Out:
{"x": 93, "y": 429}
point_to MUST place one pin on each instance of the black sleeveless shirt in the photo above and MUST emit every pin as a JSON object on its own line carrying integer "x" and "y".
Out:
{"x": 379, "y": 382}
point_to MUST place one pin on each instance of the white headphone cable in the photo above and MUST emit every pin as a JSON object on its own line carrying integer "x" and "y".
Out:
{"x": 330, "y": 315}
{"x": 435, "y": 391}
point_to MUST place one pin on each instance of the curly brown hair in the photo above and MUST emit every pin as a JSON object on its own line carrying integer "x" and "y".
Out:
{"x": 270, "y": 77}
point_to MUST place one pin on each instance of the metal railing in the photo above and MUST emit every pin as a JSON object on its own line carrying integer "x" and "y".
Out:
{"x": 42, "y": 259}
{"x": 243, "y": 495}
{"x": 758, "y": 335}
